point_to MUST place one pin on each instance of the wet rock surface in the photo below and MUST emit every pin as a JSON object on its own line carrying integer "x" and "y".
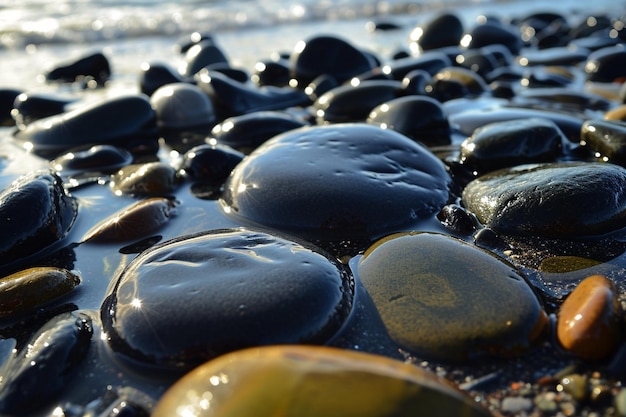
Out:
{"x": 485, "y": 176}
{"x": 243, "y": 288}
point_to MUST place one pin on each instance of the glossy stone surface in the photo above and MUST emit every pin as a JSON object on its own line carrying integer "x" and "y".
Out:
{"x": 29, "y": 107}
{"x": 28, "y": 289}
{"x": 338, "y": 181}
{"x": 246, "y": 132}
{"x": 232, "y": 98}
{"x": 7, "y": 98}
{"x": 494, "y": 32}
{"x": 210, "y": 163}
{"x": 444, "y": 299}
{"x": 589, "y": 320}
{"x": 134, "y": 121}
{"x": 420, "y": 118}
{"x": 97, "y": 158}
{"x": 153, "y": 75}
{"x": 35, "y": 213}
{"x": 133, "y": 222}
{"x": 331, "y": 55}
{"x": 94, "y": 67}
{"x": 445, "y": 29}
{"x": 348, "y": 103}
{"x": 37, "y": 374}
{"x": 182, "y": 106}
{"x": 200, "y": 55}
{"x": 552, "y": 200}
{"x": 516, "y": 142}
{"x": 606, "y": 65}
{"x": 606, "y": 138}
{"x": 310, "y": 381}
{"x": 149, "y": 179}
{"x": 188, "y": 300}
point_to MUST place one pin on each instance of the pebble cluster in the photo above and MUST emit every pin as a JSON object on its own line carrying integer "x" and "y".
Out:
{"x": 336, "y": 233}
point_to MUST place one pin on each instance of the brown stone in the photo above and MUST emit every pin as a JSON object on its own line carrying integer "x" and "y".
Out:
{"x": 589, "y": 319}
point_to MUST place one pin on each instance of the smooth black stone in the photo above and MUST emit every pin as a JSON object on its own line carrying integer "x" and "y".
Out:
{"x": 443, "y": 30}
{"x": 348, "y": 103}
{"x": 319, "y": 86}
{"x": 39, "y": 372}
{"x": 478, "y": 61}
{"x": 190, "y": 299}
{"x": 237, "y": 74}
{"x": 539, "y": 21}
{"x": 232, "y": 98}
{"x": 211, "y": 163}
{"x": 30, "y": 107}
{"x": 7, "y": 99}
{"x": 200, "y": 55}
{"x": 468, "y": 121}
{"x": 183, "y": 107}
{"x": 492, "y": 32}
{"x": 564, "y": 200}
{"x": 416, "y": 82}
{"x": 431, "y": 62}
{"x": 95, "y": 66}
{"x": 155, "y": 75}
{"x": 607, "y": 138}
{"x": 35, "y": 213}
{"x": 127, "y": 121}
{"x": 98, "y": 158}
{"x": 339, "y": 181}
{"x": 145, "y": 179}
{"x": 456, "y": 82}
{"x": 272, "y": 72}
{"x": 457, "y": 219}
{"x": 561, "y": 98}
{"x": 186, "y": 42}
{"x": 590, "y": 25}
{"x": 328, "y": 55}
{"x": 246, "y": 132}
{"x": 418, "y": 117}
{"x": 566, "y": 56}
{"x": 607, "y": 65}
{"x": 516, "y": 142}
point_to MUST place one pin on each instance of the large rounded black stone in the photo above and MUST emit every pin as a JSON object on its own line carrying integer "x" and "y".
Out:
{"x": 338, "y": 181}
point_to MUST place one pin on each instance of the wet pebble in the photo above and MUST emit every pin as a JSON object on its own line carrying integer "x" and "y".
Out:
{"x": 444, "y": 299}
{"x": 97, "y": 158}
{"x": 128, "y": 121}
{"x": 7, "y": 100}
{"x": 182, "y": 106}
{"x": 606, "y": 139}
{"x": 154, "y": 75}
{"x": 495, "y": 32}
{"x": 91, "y": 68}
{"x": 313, "y": 381}
{"x": 242, "y": 288}
{"x": 337, "y": 181}
{"x": 589, "y": 321}
{"x": 353, "y": 103}
{"x": 28, "y": 289}
{"x": 445, "y": 29}
{"x": 420, "y": 118}
{"x": 148, "y": 179}
{"x": 210, "y": 163}
{"x": 607, "y": 65}
{"x": 133, "y": 222}
{"x": 200, "y": 55}
{"x": 552, "y": 200}
{"x": 510, "y": 143}
{"x": 38, "y": 372}
{"x": 29, "y": 107}
{"x": 330, "y": 55}
{"x": 36, "y": 213}
{"x": 246, "y": 132}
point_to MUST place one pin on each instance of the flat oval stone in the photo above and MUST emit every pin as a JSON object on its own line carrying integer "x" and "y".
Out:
{"x": 35, "y": 213}
{"x": 200, "y": 55}
{"x": 95, "y": 67}
{"x": 607, "y": 65}
{"x": 30, "y": 288}
{"x": 337, "y": 181}
{"x": 589, "y": 320}
{"x": 182, "y": 106}
{"x": 329, "y": 55}
{"x": 149, "y": 179}
{"x": 313, "y": 381}
{"x": 97, "y": 158}
{"x": 117, "y": 121}
{"x": 418, "y": 117}
{"x": 510, "y": 143}
{"x": 444, "y": 299}
{"x": 188, "y": 300}
{"x": 606, "y": 138}
{"x": 133, "y": 222}
{"x": 494, "y": 32}
{"x": 552, "y": 200}
{"x": 445, "y": 29}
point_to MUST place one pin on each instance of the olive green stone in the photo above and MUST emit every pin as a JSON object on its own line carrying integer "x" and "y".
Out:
{"x": 442, "y": 298}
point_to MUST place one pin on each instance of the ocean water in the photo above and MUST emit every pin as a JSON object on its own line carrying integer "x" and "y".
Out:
{"x": 36, "y": 35}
